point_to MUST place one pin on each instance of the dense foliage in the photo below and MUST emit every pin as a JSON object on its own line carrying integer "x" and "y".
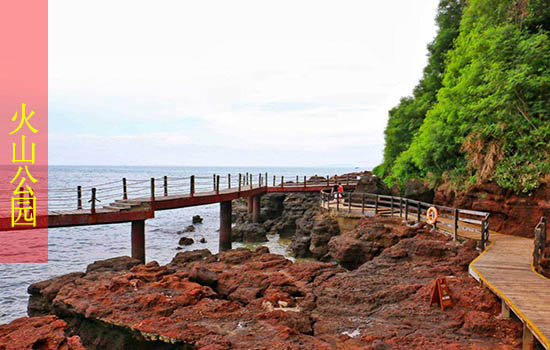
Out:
{"x": 491, "y": 117}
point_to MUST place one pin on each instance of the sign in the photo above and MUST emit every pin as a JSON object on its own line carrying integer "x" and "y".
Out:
{"x": 441, "y": 294}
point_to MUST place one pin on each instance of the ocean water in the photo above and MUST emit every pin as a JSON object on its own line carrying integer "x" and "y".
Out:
{"x": 73, "y": 248}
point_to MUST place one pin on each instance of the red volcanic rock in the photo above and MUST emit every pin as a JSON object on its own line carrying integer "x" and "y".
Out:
{"x": 511, "y": 213}
{"x": 244, "y": 299}
{"x": 37, "y": 333}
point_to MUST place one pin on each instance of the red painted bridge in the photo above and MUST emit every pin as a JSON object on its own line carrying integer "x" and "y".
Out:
{"x": 137, "y": 200}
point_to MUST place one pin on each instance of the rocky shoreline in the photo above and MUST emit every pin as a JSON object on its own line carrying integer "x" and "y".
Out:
{"x": 372, "y": 292}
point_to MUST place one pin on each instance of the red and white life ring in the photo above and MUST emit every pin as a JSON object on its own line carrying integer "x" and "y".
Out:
{"x": 431, "y": 215}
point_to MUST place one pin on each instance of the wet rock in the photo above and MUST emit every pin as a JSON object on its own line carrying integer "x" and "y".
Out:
{"x": 249, "y": 232}
{"x": 35, "y": 333}
{"x": 190, "y": 228}
{"x": 122, "y": 263}
{"x": 203, "y": 276}
{"x": 43, "y": 293}
{"x": 197, "y": 219}
{"x": 186, "y": 241}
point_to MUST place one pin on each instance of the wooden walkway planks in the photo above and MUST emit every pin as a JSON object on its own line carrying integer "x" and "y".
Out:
{"x": 505, "y": 268}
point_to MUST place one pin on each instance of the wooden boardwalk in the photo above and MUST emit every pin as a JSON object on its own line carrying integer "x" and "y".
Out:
{"x": 505, "y": 268}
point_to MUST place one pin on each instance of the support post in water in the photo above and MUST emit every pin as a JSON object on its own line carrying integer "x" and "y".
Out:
{"x": 92, "y": 204}
{"x": 225, "y": 226}
{"x": 165, "y": 179}
{"x": 138, "y": 240}
{"x": 256, "y": 209}
{"x": 152, "y": 189}
{"x": 250, "y": 204}
{"x": 124, "y": 189}
{"x": 455, "y": 225}
{"x": 79, "y": 197}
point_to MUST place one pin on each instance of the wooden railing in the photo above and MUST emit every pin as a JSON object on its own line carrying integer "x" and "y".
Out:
{"x": 452, "y": 221}
{"x": 541, "y": 244}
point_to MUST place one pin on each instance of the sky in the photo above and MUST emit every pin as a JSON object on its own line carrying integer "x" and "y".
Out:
{"x": 230, "y": 83}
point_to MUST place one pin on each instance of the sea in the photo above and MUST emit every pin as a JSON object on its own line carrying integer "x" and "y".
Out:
{"x": 71, "y": 249}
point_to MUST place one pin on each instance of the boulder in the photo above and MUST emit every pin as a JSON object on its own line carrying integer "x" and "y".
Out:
{"x": 417, "y": 190}
{"x": 32, "y": 333}
{"x": 249, "y": 232}
{"x": 370, "y": 183}
{"x": 186, "y": 241}
{"x": 351, "y": 252}
{"x": 122, "y": 263}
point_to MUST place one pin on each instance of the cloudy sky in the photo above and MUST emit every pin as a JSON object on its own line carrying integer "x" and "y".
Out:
{"x": 230, "y": 83}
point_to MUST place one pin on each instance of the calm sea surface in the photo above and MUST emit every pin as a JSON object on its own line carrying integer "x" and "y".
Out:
{"x": 73, "y": 248}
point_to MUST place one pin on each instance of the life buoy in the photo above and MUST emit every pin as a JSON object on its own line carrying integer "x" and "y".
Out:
{"x": 431, "y": 215}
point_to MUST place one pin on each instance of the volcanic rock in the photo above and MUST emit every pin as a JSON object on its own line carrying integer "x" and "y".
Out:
{"x": 186, "y": 241}
{"x": 197, "y": 219}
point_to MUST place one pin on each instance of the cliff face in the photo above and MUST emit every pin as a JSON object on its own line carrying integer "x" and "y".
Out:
{"x": 511, "y": 213}
{"x": 244, "y": 299}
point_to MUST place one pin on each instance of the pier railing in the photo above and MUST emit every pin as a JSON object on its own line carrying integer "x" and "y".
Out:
{"x": 127, "y": 189}
{"x": 452, "y": 221}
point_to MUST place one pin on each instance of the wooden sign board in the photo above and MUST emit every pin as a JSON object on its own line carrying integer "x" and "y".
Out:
{"x": 441, "y": 294}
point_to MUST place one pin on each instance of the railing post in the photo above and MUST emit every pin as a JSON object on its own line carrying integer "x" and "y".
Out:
{"x": 418, "y": 208}
{"x": 218, "y": 184}
{"x": 152, "y": 189}
{"x": 455, "y": 225}
{"x": 406, "y": 210}
{"x": 483, "y": 235}
{"x": 391, "y": 207}
{"x": 92, "y": 204}
{"x": 305, "y": 181}
{"x": 240, "y": 180}
{"x": 328, "y": 181}
{"x": 214, "y": 181}
{"x": 363, "y": 204}
{"x": 165, "y": 186}
{"x": 266, "y": 180}
{"x": 246, "y": 179}
{"x": 400, "y": 207}
{"x": 251, "y": 181}
{"x": 260, "y": 180}
{"x": 274, "y": 180}
{"x": 192, "y": 186}
{"x": 337, "y": 202}
{"x": 347, "y": 179}
{"x": 228, "y": 180}
{"x": 124, "y": 189}
{"x": 282, "y": 181}
{"x": 376, "y": 205}
{"x": 349, "y": 202}
{"x": 79, "y": 197}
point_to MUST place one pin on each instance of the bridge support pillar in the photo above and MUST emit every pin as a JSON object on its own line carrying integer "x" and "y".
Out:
{"x": 249, "y": 201}
{"x": 225, "y": 226}
{"x": 256, "y": 209}
{"x": 528, "y": 339}
{"x": 138, "y": 240}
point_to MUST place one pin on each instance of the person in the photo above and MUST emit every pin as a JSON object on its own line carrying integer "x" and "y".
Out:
{"x": 340, "y": 191}
{"x": 334, "y": 191}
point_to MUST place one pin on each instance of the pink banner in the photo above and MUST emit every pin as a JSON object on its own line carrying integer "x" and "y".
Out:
{"x": 23, "y": 131}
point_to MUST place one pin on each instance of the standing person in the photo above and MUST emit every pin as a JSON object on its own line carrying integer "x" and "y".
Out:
{"x": 334, "y": 191}
{"x": 340, "y": 191}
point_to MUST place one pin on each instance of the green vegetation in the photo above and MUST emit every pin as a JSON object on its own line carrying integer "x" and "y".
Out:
{"x": 490, "y": 119}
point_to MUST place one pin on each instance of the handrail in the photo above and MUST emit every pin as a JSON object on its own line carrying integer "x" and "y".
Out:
{"x": 405, "y": 207}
